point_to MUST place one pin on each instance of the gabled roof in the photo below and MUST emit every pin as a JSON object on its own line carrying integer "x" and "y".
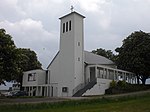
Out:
{"x": 53, "y": 60}
{"x": 91, "y": 58}
{"x": 72, "y": 13}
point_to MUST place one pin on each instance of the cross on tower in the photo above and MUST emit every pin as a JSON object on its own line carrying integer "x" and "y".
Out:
{"x": 71, "y": 8}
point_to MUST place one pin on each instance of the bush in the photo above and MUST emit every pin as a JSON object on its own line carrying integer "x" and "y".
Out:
{"x": 113, "y": 83}
{"x": 124, "y": 87}
{"x": 122, "y": 84}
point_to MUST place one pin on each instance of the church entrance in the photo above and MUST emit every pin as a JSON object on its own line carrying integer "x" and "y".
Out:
{"x": 92, "y": 74}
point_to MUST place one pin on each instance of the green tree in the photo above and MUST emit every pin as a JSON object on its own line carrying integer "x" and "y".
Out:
{"x": 27, "y": 60}
{"x": 106, "y": 53}
{"x": 8, "y": 57}
{"x": 134, "y": 55}
{"x": 14, "y": 61}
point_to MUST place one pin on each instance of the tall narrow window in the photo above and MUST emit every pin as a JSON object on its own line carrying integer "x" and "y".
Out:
{"x": 69, "y": 25}
{"x": 63, "y": 27}
{"x": 46, "y": 78}
{"x": 78, "y": 43}
{"x": 66, "y": 26}
{"x": 78, "y": 59}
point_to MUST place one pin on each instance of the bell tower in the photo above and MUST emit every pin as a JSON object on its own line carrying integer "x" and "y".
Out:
{"x": 71, "y": 60}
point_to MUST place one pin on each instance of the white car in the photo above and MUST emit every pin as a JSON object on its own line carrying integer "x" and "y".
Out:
{"x": 5, "y": 93}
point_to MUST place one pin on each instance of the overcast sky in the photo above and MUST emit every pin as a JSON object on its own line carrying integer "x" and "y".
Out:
{"x": 34, "y": 24}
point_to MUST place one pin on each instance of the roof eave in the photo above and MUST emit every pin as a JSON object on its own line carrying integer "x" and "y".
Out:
{"x": 72, "y": 13}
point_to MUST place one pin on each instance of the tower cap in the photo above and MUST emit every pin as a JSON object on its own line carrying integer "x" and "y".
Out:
{"x": 71, "y": 14}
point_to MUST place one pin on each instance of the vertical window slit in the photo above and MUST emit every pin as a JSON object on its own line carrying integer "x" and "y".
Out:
{"x": 63, "y": 27}
{"x": 66, "y": 26}
{"x": 69, "y": 25}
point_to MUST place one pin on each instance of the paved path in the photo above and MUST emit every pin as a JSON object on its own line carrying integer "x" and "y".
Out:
{"x": 59, "y": 99}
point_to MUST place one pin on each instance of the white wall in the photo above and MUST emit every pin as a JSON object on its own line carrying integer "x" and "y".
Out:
{"x": 55, "y": 77}
{"x": 66, "y": 70}
{"x": 70, "y": 69}
{"x": 79, "y": 49}
{"x": 99, "y": 88}
{"x": 54, "y": 70}
{"x": 39, "y": 78}
{"x": 66, "y": 60}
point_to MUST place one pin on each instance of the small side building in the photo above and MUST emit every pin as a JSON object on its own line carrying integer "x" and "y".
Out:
{"x": 37, "y": 82}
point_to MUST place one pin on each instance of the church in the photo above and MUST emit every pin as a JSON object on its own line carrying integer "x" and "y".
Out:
{"x": 74, "y": 72}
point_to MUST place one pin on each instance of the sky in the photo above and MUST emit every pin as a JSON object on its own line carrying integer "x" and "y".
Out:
{"x": 34, "y": 24}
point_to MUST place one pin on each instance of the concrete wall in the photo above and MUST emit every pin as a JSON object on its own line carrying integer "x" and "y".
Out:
{"x": 71, "y": 54}
{"x": 39, "y": 78}
{"x": 67, "y": 68}
{"x": 54, "y": 92}
{"x": 66, "y": 58}
{"x": 55, "y": 77}
{"x": 54, "y": 70}
{"x": 79, "y": 49}
{"x": 99, "y": 88}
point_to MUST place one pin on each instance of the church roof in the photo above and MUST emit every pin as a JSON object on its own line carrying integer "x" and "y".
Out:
{"x": 72, "y": 13}
{"x": 53, "y": 59}
{"x": 91, "y": 58}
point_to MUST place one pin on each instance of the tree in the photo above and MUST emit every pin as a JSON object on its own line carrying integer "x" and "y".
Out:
{"x": 134, "y": 55}
{"x": 8, "y": 57}
{"x": 106, "y": 53}
{"x": 27, "y": 60}
{"x": 14, "y": 61}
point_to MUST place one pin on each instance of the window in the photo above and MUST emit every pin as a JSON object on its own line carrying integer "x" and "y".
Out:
{"x": 65, "y": 89}
{"x": 66, "y": 26}
{"x": 31, "y": 77}
{"x": 46, "y": 77}
{"x": 78, "y": 43}
{"x": 69, "y": 25}
{"x": 63, "y": 27}
{"x": 78, "y": 59}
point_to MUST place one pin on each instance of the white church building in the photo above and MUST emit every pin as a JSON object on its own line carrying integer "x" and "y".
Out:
{"x": 73, "y": 71}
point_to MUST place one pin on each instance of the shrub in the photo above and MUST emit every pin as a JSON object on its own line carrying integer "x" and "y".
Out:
{"x": 122, "y": 84}
{"x": 113, "y": 83}
{"x": 124, "y": 87}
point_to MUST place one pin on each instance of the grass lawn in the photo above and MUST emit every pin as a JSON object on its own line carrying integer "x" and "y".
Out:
{"x": 122, "y": 104}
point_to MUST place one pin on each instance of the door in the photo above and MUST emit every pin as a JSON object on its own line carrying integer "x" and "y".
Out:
{"x": 92, "y": 74}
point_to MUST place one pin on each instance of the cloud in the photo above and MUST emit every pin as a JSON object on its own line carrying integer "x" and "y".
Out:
{"x": 29, "y": 33}
{"x": 92, "y": 5}
{"x": 34, "y": 23}
{"x": 128, "y": 16}
{"x": 41, "y": 7}
{"x": 99, "y": 10}
{"x": 120, "y": 19}
{"x": 11, "y": 10}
